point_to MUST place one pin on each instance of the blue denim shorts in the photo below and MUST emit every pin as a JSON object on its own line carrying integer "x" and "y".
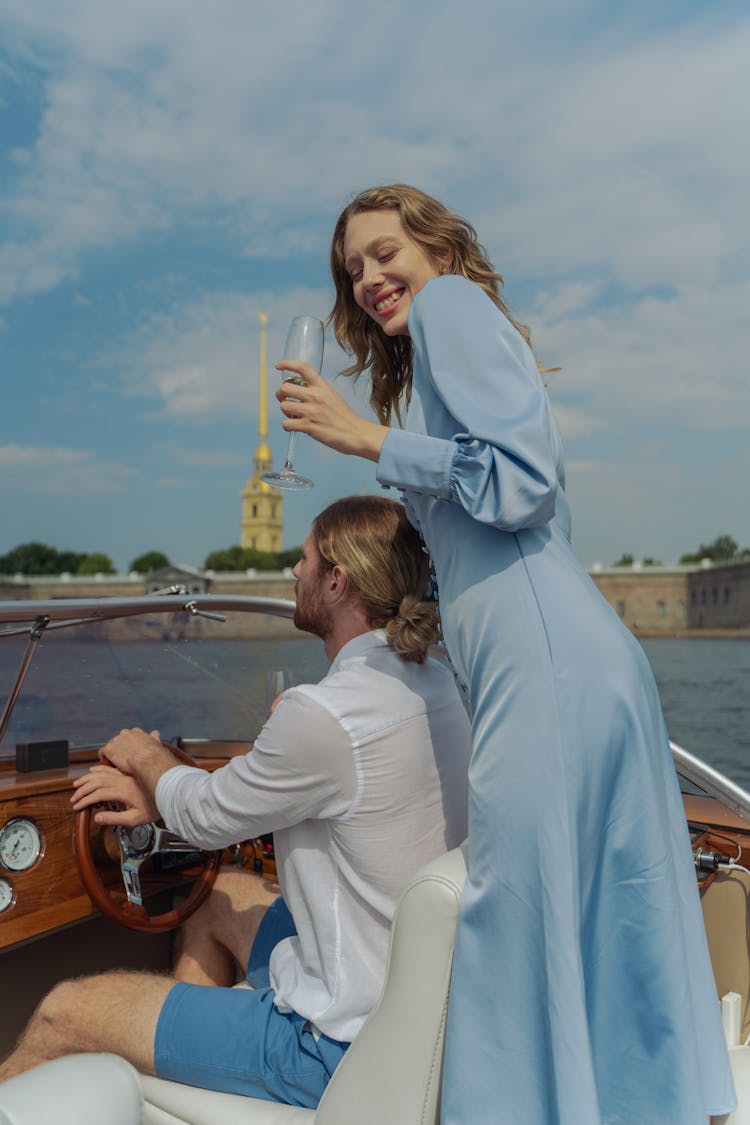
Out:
{"x": 236, "y": 1040}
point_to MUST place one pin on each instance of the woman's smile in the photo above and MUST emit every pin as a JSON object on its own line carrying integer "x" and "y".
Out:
{"x": 387, "y": 268}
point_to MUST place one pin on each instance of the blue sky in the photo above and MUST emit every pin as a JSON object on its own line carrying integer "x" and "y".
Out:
{"x": 170, "y": 168}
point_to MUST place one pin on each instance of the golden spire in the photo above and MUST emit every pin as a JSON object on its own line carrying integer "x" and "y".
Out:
{"x": 262, "y": 394}
{"x": 262, "y": 520}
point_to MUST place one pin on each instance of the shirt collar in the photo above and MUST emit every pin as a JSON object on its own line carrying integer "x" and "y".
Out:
{"x": 358, "y": 646}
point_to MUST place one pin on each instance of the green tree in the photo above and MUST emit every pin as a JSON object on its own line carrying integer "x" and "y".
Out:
{"x": 648, "y": 561}
{"x": 37, "y": 558}
{"x": 288, "y": 558}
{"x": 228, "y": 558}
{"x": 96, "y": 563}
{"x": 150, "y": 561}
{"x": 247, "y": 558}
{"x": 624, "y": 560}
{"x": 723, "y": 549}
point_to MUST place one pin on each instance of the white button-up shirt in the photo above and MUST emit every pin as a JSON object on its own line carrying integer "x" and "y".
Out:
{"x": 363, "y": 779}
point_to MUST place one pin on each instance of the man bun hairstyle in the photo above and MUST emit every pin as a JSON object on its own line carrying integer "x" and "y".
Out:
{"x": 387, "y": 568}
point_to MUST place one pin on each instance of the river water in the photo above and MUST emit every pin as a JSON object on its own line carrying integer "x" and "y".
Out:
{"x": 86, "y": 691}
{"x": 704, "y": 686}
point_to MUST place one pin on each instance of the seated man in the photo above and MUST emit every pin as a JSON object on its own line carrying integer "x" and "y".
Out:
{"x": 362, "y": 777}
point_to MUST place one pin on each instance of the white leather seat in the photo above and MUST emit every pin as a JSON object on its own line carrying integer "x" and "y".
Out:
{"x": 391, "y": 1073}
{"x": 739, "y": 1057}
{"x": 78, "y": 1089}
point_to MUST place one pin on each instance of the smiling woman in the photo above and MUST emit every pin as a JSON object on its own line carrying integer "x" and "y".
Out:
{"x": 571, "y": 770}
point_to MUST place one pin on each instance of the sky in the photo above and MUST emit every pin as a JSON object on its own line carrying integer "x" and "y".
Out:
{"x": 169, "y": 169}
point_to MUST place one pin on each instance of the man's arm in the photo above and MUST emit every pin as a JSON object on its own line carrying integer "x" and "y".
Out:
{"x": 302, "y": 766}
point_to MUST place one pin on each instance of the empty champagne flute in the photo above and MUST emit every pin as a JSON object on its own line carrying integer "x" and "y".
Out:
{"x": 304, "y": 342}
{"x": 277, "y": 682}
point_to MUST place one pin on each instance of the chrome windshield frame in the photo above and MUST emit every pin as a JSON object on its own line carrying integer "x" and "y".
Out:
{"x": 35, "y": 618}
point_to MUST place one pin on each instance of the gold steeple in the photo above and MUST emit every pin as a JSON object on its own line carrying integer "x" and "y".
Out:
{"x": 262, "y": 522}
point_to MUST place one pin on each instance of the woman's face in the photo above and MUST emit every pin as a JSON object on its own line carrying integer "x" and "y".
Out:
{"x": 387, "y": 268}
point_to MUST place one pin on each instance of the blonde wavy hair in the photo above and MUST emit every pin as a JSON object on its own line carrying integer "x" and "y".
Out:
{"x": 386, "y": 565}
{"x": 447, "y": 239}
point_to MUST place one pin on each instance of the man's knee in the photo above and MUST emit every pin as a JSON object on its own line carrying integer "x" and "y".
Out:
{"x": 234, "y": 894}
{"x": 61, "y": 1011}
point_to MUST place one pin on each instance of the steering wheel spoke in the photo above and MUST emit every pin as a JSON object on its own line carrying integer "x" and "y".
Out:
{"x": 166, "y": 841}
{"x": 131, "y": 877}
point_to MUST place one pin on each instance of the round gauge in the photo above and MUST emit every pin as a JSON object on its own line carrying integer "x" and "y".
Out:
{"x": 20, "y": 844}
{"x": 6, "y": 894}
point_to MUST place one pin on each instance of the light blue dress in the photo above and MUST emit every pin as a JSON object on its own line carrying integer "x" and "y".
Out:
{"x": 582, "y": 989}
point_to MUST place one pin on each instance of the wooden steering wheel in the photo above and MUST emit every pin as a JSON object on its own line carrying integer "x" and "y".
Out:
{"x": 135, "y": 846}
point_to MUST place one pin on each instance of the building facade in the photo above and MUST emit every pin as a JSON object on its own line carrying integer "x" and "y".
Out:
{"x": 660, "y": 599}
{"x": 653, "y": 600}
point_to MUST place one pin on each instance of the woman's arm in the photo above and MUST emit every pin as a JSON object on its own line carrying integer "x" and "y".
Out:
{"x": 490, "y": 444}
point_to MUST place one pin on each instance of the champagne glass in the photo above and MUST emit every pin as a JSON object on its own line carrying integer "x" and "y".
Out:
{"x": 304, "y": 342}
{"x": 277, "y": 682}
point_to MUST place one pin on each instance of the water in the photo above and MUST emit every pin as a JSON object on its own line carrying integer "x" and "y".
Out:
{"x": 704, "y": 686}
{"x": 85, "y": 691}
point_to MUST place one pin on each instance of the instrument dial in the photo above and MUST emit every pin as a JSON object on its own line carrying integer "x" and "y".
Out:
{"x": 20, "y": 844}
{"x": 6, "y": 895}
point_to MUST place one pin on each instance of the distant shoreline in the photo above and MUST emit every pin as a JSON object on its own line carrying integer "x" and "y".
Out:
{"x": 742, "y": 634}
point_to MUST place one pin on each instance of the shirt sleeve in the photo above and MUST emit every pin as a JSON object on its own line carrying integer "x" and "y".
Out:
{"x": 498, "y": 450}
{"x": 301, "y": 767}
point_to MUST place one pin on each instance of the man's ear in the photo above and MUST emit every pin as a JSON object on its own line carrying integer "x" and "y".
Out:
{"x": 336, "y": 584}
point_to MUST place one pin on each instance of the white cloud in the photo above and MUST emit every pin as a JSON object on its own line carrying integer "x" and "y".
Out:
{"x": 40, "y": 470}
{"x": 199, "y": 361}
{"x": 680, "y": 360}
{"x": 627, "y": 161}
{"x": 600, "y": 158}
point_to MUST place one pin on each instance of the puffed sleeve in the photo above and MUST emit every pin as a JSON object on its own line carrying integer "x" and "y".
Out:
{"x": 490, "y": 443}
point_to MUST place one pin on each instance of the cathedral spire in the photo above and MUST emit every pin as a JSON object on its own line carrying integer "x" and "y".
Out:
{"x": 263, "y": 392}
{"x": 262, "y": 520}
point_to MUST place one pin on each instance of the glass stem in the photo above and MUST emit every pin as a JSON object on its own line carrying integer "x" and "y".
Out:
{"x": 290, "y": 452}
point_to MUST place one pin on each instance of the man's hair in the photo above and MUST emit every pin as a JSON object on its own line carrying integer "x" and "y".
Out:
{"x": 386, "y": 565}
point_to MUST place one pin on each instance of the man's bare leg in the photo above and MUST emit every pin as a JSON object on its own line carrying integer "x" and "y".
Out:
{"x": 215, "y": 942}
{"x": 118, "y": 1011}
{"x": 115, "y": 1012}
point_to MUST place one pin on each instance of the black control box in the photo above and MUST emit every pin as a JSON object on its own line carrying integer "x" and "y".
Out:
{"x": 31, "y": 756}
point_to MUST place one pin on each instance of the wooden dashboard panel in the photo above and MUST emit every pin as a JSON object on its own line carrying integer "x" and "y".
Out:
{"x": 50, "y": 894}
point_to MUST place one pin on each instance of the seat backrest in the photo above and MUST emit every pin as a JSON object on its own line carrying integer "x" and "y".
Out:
{"x": 392, "y": 1071}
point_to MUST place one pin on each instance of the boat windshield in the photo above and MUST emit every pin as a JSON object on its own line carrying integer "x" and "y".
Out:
{"x": 186, "y": 676}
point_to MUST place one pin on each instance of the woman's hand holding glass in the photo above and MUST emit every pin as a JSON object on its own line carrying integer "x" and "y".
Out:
{"x": 320, "y": 411}
{"x": 304, "y": 344}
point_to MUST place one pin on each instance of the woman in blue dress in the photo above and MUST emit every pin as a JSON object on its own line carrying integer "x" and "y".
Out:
{"x": 582, "y": 991}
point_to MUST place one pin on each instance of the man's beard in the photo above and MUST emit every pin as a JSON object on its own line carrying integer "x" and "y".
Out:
{"x": 311, "y": 616}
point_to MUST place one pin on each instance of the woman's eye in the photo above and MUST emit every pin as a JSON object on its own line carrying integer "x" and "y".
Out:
{"x": 355, "y": 276}
{"x": 386, "y": 255}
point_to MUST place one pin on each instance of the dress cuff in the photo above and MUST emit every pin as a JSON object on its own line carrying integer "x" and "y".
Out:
{"x": 417, "y": 462}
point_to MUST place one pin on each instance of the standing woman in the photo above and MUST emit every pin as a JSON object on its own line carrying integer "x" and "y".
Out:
{"x": 582, "y": 992}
